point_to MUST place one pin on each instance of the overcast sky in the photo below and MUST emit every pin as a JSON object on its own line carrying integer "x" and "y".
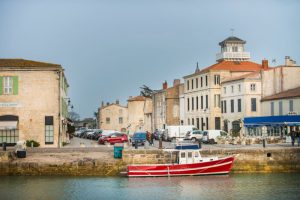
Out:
{"x": 109, "y": 48}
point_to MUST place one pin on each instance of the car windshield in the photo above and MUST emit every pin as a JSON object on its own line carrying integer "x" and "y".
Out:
{"x": 139, "y": 135}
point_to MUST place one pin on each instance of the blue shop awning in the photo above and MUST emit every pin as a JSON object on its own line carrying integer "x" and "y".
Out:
{"x": 286, "y": 120}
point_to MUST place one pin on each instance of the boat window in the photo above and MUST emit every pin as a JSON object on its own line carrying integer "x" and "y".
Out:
{"x": 196, "y": 154}
{"x": 190, "y": 154}
{"x": 182, "y": 155}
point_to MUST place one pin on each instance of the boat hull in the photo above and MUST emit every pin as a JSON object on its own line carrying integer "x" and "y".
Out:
{"x": 219, "y": 166}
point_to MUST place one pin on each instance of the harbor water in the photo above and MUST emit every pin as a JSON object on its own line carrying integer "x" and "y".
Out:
{"x": 235, "y": 186}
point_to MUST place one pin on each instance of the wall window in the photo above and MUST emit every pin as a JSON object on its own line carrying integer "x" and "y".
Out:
{"x": 49, "y": 130}
{"x": 224, "y": 90}
{"x": 206, "y": 80}
{"x": 201, "y": 81}
{"x": 217, "y": 79}
{"x": 280, "y": 108}
{"x": 8, "y": 85}
{"x": 239, "y": 87}
{"x": 193, "y": 122}
{"x": 196, "y": 82}
{"x": 188, "y": 84}
{"x": 201, "y": 102}
{"x": 197, "y": 103}
{"x": 120, "y": 120}
{"x": 206, "y": 99}
{"x": 107, "y": 120}
{"x": 272, "y": 108}
{"x": 239, "y": 105}
{"x": 192, "y": 103}
{"x": 188, "y": 104}
{"x": 252, "y": 87}
{"x": 232, "y": 89}
{"x": 232, "y": 105}
{"x": 225, "y": 106}
{"x": 222, "y": 111}
{"x": 189, "y": 122}
{"x": 217, "y": 100}
{"x": 206, "y": 123}
{"x": 192, "y": 84}
{"x": 291, "y": 105}
{"x": 253, "y": 104}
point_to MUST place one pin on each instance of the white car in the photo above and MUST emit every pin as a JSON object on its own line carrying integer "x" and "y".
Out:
{"x": 194, "y": 135}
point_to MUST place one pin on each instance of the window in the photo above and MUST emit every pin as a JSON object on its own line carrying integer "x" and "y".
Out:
{"x": 272, "y": 108}
{"x": 217, "y": 79}
{"x": 239, "y": 105}
{"x": 192, "y": 83}
{"x": 291, "y": 105}
{"x": 120, "y": 120}
{"x": 253, "y": 104}
{"x": 182, "y": 154}
{"x": 201, "y": 81}
{"x": 206, "y": 99}
{"x": 280, "y": 107}
{"x": 201, "y": 102}
{"x": 222, "y": 110}
{"x": 232, "y": 89}
{"x": 192, "y": 103}
{"x": 197, "y": 103}
{"x": 8, "y": 85}
{"x": 232, "y": 105}
{"x": 107, "y": 120}
{"x": 224, "y": 90}
{"x": 239, "y": 86}
{"x": 190, "y": 155}
{"x": 193, "y": 121}
{"x": 252, "y": 87}
{"x": 188, "y": 84}
{"x": 196, "y": 82}
{"x": 188, "y": 104}
{"x": 189, "y": 121}
{"x": 49, "y": 130}
{"x": 225, "y": 106}
{"x": 217, "y": 100}
{"x": 206, "y": 123}
{"x": 234, "y": 49}
{"x": 206, "y": 80}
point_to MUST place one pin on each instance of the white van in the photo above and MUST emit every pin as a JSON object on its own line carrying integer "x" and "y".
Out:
{"x": 173, "y": 132}
{"x": 209, "y": 136}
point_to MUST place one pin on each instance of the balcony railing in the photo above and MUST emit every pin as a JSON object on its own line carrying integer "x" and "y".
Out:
{"x": 233, "y": 56}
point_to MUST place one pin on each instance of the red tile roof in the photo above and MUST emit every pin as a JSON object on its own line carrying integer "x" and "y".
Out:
{"x": 283, "y": 95}
{"x": 243, "y": 66}
{"x": 25, "y": 63}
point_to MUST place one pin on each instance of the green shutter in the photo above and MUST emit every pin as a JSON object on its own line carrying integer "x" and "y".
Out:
{"x": 1, "y": 85}
{"x": 15, "y": 85}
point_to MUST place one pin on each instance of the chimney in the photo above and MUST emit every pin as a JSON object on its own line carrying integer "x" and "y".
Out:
{"x": 117, "y": 102}
{"x": 265, "y": 64}
{"x": 165, "y": 85}
{"x": 176, "y": 82}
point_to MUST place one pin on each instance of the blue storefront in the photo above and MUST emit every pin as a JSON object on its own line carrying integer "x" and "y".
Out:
{"x": 276, "y": 125}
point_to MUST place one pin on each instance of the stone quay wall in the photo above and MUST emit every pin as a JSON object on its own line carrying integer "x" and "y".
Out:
{"x": 75, "y": 163}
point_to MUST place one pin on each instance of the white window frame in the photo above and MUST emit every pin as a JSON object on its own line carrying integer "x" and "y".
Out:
{"x": 7, "y": 85}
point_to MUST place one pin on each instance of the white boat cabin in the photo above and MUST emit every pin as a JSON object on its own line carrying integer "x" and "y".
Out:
{"x": 190, "y": 156}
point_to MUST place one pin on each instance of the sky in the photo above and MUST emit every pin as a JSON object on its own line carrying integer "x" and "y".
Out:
{"x": 110, "y": 48}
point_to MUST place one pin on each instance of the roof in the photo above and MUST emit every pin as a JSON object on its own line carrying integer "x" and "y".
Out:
{"x": 137, "y": 98}
{"x": 232, "y": 39}
{"x": 21, "y": 63}
{"x": 235, "y": 66}
{"x": 252, "y": 75}
{"x": 112, "y": 104}
{"x": 283, "y": 95}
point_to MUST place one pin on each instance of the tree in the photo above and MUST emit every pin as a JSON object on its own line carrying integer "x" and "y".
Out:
{"x": 74, "y": 116}
{"x": 146, "y": 91}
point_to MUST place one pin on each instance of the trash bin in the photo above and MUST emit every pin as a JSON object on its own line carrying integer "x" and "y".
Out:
{"x": 118, "y": 148}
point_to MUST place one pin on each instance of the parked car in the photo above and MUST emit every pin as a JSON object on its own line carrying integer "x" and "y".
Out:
{"x": 113, "y": 138}
{"x": 97, "y": 134}
{"x": 209, "y": 136}
{"x": 139, "y": 138}
{"x": 194, "y": 135}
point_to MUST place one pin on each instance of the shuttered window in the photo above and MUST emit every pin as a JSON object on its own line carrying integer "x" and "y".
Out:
{"x": 9, "y": 85}
{"x": 49, "y": 130}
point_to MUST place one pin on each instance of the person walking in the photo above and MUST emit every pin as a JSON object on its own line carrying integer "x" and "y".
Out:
{"x": 293, "y": 136}
{"x": 152, "y": 139}
{"x": 148, "y": 137}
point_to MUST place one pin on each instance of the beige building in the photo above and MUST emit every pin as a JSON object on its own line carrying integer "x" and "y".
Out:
{"x": 166, "y": 105}
{"x": 33, "y": 102}
{"x": 113, "y": 117}
{"x": 202, "y": 89}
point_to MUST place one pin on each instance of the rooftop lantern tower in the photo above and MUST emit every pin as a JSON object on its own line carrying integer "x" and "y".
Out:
{"x": 232, "y": 49}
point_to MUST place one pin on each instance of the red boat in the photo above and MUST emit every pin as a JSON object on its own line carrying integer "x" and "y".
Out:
{"x": 189, "y": 163}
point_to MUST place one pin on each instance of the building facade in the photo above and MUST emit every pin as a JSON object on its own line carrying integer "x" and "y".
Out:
{"x": 33, "y": 102}
{"x": 113, "y": 117}
{"x": 202, "y": 89}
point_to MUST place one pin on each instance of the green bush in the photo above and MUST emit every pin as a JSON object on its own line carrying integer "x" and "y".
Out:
{"x": 35, "y": 143}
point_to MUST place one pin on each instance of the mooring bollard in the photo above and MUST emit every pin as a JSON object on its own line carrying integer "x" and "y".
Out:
{"x": 264, "y": 143}
{"x": 160, "y": 143}
{"x": 199, "y": 144}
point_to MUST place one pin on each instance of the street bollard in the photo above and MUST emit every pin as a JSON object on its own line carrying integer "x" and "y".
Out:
{"x": 264, "y": 143}
{"x": 160, "y": 143}
{"x": 199, "y": 144}
{"x": 4, "y": 146}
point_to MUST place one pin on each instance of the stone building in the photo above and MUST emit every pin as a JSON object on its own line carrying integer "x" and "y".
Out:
{"x": 202, "y": 89}
{"x": 33, "y": 102}
{"x": 113, "y": 117}
{"x": 166, "y": 105}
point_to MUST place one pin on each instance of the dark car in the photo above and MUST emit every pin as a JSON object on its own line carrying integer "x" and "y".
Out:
{"x": 113, "y": 138}
{"x": 139, "y": 138}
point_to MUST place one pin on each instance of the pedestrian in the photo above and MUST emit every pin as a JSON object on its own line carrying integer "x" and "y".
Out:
{"x": 152, "y": 139}
{"x": 293, "y": 137}
{"x": 148, "y": 137}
